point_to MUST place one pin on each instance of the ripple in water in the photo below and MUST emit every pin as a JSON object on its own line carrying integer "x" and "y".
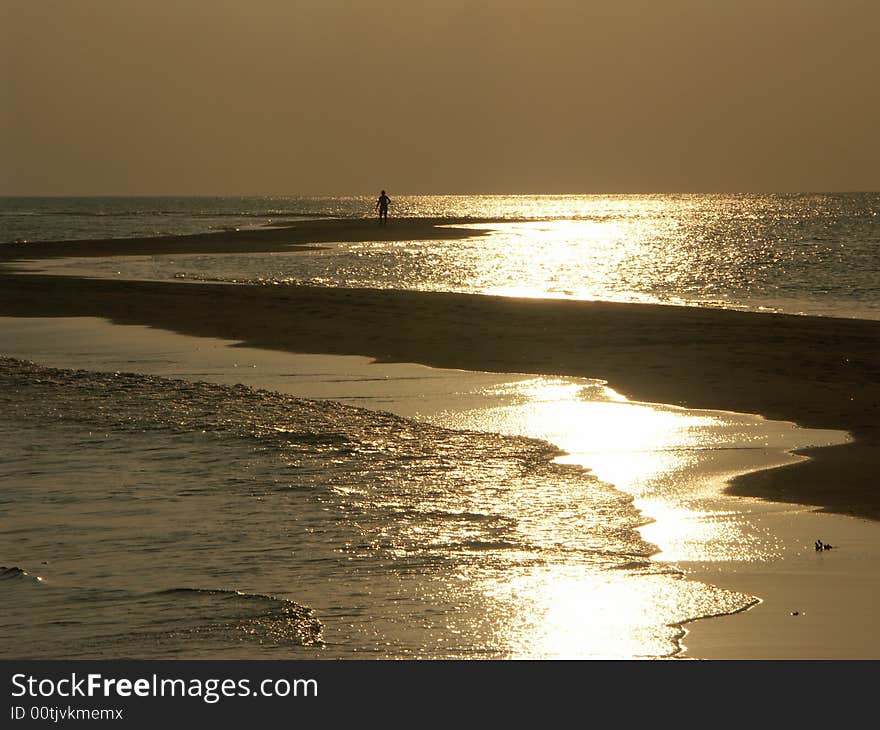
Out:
{"x": 813, "y": 254}
{"x": 307, "y": 528}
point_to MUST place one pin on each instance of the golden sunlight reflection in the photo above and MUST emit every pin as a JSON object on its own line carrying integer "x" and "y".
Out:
{"x": 566, "y": 613}
{"x": 539, "y": 258}
{"x": 673, "y": 462}
{"x": 687, "y": 533}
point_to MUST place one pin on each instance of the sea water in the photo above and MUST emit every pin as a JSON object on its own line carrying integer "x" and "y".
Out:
{"x": 800, "y": 254}
{"x": 149, "y": 516}
{"x": 195, "y": 510}
{"x": 155, "y": 517}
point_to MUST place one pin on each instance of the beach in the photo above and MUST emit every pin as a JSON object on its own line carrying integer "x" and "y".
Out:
{"x": 446, "y": 354}
{"x": 817, "y": 372}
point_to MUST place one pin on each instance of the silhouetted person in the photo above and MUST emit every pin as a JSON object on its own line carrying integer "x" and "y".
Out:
{"x": 382, "y": 206}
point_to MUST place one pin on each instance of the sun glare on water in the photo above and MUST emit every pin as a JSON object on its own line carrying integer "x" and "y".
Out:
{"x": 672, "y": 463}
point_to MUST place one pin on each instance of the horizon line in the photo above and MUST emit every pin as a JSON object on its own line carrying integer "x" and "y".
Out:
{"x": 436, "y": 194}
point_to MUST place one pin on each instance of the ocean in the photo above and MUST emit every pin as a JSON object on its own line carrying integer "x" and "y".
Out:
{"x": 799, "y": 254}
{"x": 153, "y": 510}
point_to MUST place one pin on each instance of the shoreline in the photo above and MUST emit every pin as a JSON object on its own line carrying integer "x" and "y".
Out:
{"x": 96, "y": 345}
{"x": 818, "y": 372}
{"x": 268, "y": 238}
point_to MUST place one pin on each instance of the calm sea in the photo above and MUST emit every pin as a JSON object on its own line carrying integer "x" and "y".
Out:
{"x": 809, "y": 254}
{"x": 152, "y": 517}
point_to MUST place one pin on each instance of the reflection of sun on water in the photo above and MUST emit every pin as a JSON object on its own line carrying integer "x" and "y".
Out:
{"x": 569, "y": 613}
{"x": 584, "y": 259}
{"x": 660, "y": 455}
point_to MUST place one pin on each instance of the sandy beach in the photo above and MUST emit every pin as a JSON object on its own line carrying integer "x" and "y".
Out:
{"x": 817, "y": 372}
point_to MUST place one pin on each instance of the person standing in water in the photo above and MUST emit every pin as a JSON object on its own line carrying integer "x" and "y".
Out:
{"x": 382, "y": 206}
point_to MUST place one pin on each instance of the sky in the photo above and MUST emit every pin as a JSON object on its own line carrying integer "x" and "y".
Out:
{"x": 223, "y": 97}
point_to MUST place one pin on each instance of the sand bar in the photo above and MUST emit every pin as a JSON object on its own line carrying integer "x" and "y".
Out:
{"x": 818, "y": 372}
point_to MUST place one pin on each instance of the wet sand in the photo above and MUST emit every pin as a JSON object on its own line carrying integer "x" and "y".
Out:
{"x": 817, "y": 372}
{"x": 696, "y": 529}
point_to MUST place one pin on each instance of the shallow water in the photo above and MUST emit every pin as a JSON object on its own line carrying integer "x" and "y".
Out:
{"x": 172, "y": 518}
{"x": 125, "y": 487}
{"x": 153, "y": 516}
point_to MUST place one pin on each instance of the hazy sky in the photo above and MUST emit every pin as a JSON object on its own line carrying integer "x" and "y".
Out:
{"x": 332, "y": 96}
